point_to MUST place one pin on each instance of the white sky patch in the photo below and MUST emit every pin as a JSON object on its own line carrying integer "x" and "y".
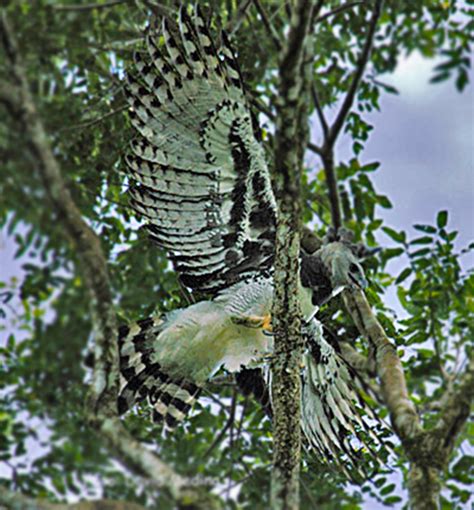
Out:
{"x": 412, "y": 76}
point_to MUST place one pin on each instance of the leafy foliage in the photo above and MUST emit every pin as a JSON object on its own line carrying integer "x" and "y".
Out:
{"x": 75, "y": 60}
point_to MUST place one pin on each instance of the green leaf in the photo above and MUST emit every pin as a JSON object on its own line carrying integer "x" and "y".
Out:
{"x": 390, "y": 253}
{"x": 399, "y": 237}
{"x": 403, "y": 275}
{"x": 370, "y": 167}
{"x": 387, "y": 489}
{"x": 425, "y": 228}
{"x": 422, "y": 240}
{"x": 442, "y": 219}
{"x": 384, "y": 202}
{"x": 420, "y": 253}
{"x": 391, "y": 500}
{"x": 439, "y": 78}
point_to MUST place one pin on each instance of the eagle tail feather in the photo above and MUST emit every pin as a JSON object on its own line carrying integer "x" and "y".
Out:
{"x": 171, "y": 397}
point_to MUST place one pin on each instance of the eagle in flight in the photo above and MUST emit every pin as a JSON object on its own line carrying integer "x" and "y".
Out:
{"x": 200, "y": 181}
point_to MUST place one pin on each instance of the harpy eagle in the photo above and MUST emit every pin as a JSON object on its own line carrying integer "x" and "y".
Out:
{"x": 200, "y": 181}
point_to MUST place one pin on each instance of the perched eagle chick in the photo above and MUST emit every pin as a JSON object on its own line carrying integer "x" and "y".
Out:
{"x": 200, "y": 180}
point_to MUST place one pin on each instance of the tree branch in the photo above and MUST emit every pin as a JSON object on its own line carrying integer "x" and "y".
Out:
{"x": 430, "y": 452}
{"x": 88, "y": 7}
{"x": 327, "y": 157}
{"x": 361, "y": 63}
{"x": 456, "y": 407}
{"x": 94, "y": 264}
{"x": 274, "y": 36}
{"x": 320, "y": 113}
{"x": 331, "y": 133}
{"x": 16, "y": 501}
{"x": 290, "y": 142}
{"x": 236, "y": 21}
{"x": 102, "y": 409}
{"x": 389, "y": 368}
{"x": 338, "y": 10}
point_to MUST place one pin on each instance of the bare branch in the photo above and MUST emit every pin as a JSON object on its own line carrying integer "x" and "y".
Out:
{"x": 320, "y": 113}
{"x": 96, "y": 120}
{"x": 290, "y": 142}
{"x": 88, "y": 7}
{"x": 361, "y": 63}
{"x": 327, "y": 157}
{"x": 94, "y": 264}
{"x": 315, "y": 148}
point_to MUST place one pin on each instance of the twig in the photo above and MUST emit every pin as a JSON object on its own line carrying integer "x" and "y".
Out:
{"x": 242, "y": 418}
{"x": 339, "y": 9}
{"x": 96, "y": 120}
{"x": 224, "y": 430}
{"x": 268, "y": 25}
{"x": 236, "y": 21}
{"x": 88, "y": 7}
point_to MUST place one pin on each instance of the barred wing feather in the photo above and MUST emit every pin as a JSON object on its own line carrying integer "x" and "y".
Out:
{"x": 199, "y": 174}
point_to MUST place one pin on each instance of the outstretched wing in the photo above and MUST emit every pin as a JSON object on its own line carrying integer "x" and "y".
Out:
{"x": 199, "y": 174}
{"x": 335, "y": 417}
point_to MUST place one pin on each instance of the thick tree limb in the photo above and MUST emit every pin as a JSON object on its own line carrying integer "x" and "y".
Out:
{"x": 10, "y": 500}
{"x": 389, "y": 368}
{"x": 94, "y": 264}
{"x": 102, "y": 395}
{"x": 431, "y": 451}
{"x": 290, "y": 142}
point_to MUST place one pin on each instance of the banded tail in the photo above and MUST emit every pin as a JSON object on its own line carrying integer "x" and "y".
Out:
{"x": 141, "y": 377}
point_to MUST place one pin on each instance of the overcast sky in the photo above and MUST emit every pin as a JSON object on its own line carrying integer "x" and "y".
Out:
{"x": 424, "y": 140}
